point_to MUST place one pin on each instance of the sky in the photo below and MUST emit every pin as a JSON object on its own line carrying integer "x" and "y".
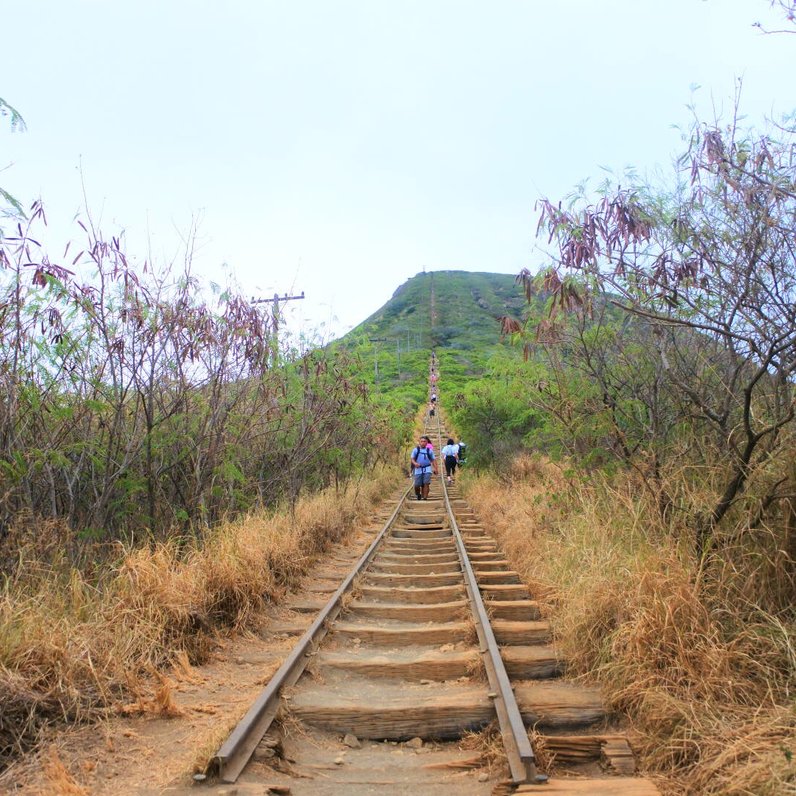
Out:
{"x": 339, "y": 147}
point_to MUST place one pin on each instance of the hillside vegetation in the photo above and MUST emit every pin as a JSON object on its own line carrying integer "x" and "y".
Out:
{"x": 455, "y": 313}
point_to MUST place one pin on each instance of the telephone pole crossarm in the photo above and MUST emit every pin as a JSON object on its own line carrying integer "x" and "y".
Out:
{"x": 277, "y": 298}
{"x": 275, "y": 301}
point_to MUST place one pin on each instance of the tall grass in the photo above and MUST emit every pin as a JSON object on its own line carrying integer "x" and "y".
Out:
{"x": 72, "y": 649}
{"x": 703, "y": 672}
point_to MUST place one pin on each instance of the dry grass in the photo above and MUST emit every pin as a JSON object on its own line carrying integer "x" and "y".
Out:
{"x": 488, "y": 745}
{"x": 59, "y": 779}
{"x": 71, "y": 649}
{"x": 705, "y": 675}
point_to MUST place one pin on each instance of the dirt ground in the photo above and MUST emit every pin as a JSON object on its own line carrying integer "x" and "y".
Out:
{"x": 155, "y": 745}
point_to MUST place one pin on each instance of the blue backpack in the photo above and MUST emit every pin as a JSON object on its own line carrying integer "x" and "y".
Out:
{"x": 416, "y": 454}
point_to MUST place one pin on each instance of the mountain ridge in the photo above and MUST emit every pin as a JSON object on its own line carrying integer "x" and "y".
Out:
{"x": 453, "y": 312}
{"x": 465, "y": 312}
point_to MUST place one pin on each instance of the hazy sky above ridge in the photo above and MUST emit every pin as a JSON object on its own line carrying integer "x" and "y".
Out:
{"x": 340, "y": 147}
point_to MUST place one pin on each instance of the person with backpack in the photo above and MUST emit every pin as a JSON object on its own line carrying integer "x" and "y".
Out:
{"x": 450, "y": 454}
{"x": 424, "y": 463}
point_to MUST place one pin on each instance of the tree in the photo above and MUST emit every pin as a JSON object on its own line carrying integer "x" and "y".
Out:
{"x": 711, "y": 267}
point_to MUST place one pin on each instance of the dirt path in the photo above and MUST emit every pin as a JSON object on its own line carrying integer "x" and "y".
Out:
{"x": 146, "y": 752}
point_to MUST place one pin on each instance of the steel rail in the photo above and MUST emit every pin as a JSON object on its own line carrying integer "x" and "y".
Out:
{"x": 519, "y": 752}
{"x": 228, "y": 762}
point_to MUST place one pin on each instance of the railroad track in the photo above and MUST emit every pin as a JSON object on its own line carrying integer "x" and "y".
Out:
{"x": 429, "y": 638}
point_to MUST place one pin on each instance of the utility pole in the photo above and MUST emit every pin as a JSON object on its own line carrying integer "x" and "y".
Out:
{"x": 398, "y": 355}
{"x": 376, "y": 358}
{"x": 275, "y": 301}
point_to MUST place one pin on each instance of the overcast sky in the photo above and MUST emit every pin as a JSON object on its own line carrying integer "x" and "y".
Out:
{"x": 341, "y": 146}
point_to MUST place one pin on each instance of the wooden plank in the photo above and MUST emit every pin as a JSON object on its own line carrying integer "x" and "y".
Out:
{"x": 607, "y": 786}
{"x": 306, "y": 606}
{"x": 406, "y": 711}
{"x": 438, "y": 594}
{"x": 556, "y": 704}
{"x": 415, "y": 569}
{"x": 498, "y": 565}
{"x": 499, "y": 591}
{"x": 573, "y": 749}
{"x": 416, "y": 580}
{"x": 399, "y": 533}
{"x": 422, "y": 513}
{"x": 518, "y": 610}
{"x": 494, "y": 578}
{"x": 521, "y": 633}
{"x": 279, "y": 628}
{"x": 431, "y": 665}
{"x": 432, "y": 715}
{"x": 618, "y": 756}
{"x": 407, "y": 612}
{"x": 428, "y": 633}
{"x": 531, "y": 662}
{"x": 419, "y": 546}
{"x": 420, "y": 558}
{"x": 323, "y": 587}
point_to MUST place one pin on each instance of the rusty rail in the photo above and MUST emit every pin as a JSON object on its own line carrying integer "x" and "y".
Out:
{"x": 522, "y": 762}
{"x": 228, "y": 762}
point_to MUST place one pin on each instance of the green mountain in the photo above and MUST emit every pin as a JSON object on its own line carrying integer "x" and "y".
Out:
{"x": 453, "y": 312}
{"x": 446, "y": 309}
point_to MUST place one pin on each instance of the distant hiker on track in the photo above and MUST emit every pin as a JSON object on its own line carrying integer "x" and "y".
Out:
{"x": 424, "y": 462}
{"x": 433, "y": 397}
{"x": 450, "y": 455}
{"x": 431, "y": 410}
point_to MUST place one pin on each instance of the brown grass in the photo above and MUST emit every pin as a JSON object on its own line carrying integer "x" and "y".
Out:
{"x": 705, "y": 675}
{"x": 488, "y": 745}
{"x": 72, "y": 649}
{"x": 60, "y": 781}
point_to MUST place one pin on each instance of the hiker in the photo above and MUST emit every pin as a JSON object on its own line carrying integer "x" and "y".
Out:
{"x": 433, "y": 397}
{"x": 450, "y": 455}
{"x": 431, "y": 410}
{"x": 429, "y": 448}
{"x": 462, "y": 458}
{"x": 424, "y": 462}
